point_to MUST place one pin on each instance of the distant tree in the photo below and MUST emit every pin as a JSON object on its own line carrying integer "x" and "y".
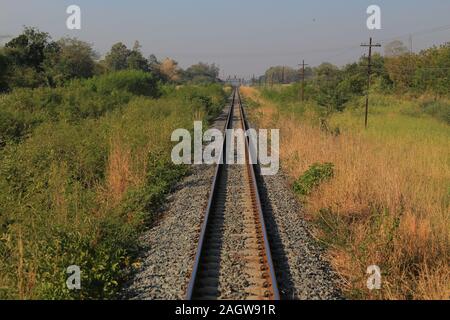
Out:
{"x": 432, "y": 72}
{"x": 155, "y": 67}
{"x": 30, "y": 48}
{"x": 75, "y": 59}
{"x": 202, "y": 73}
{"x": 121, "y": 58}
{"x": 401, "y": 70}
{"x": 354, "y": 80}
{"x": 169, "y": 68}
{"x": 326, "y": 70}
{"x": 152, "y": 60}
{"x": 117, "y": 58}
{"x": 136, "y": 60}
{"x": 327, "y": 78}
{"x": 395, "y": 48}
{"x": 283, "y": 74}
{"x": 400, "y": 65}
{"x": 4, "y": 70}
{"x": 26, "y": 55}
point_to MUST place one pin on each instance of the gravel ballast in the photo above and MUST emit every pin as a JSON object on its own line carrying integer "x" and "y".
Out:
{"x": 169, "y": 247}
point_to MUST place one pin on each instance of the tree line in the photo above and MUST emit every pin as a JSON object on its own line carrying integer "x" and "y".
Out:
{"x": 33, "y": 60}
{"x": 397, "y": 71}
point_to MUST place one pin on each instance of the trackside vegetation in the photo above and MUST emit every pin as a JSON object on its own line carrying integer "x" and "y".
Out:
{"x": 377, "y": 196}
{"x": 83, "y": 169}
{"x": 84, "y": 161}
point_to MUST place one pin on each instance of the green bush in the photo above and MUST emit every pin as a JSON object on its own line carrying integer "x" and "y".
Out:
{"x": 132, "y": 81}
{"x": 23, "y": 110}
{"x": 11, "y": 128}
{"x": 207, "y": 98}
{"x": 313, "y": 177}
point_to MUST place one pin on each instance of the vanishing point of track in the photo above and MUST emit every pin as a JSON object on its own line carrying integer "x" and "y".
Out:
{"x": 233, "y": 259}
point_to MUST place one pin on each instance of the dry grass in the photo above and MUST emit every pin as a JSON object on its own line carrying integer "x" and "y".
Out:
{"x": 387, "y": 204}
{"x": 120, "y": 175}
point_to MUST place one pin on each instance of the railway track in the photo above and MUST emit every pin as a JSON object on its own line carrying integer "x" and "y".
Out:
{"x": 233, "y": 259}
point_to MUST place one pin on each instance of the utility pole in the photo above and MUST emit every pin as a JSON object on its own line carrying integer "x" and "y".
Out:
{"x": 303, "y": 80}
{"x": 369, "y": 72}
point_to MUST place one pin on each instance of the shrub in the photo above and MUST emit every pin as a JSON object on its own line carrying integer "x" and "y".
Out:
{"x": 208, "y": 99}
{"x": 132, "y": 81}
{"x": 313, "y": 177}
{"x": 11, "y": 128}
{"x": 23, "y": 110}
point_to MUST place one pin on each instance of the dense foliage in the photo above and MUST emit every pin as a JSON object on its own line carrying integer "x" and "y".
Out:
{"x": 398, "y": 72}
{"x": 84, "y": 160}
{"x": 33, "y": 60}
{"x": 329, "y": 89}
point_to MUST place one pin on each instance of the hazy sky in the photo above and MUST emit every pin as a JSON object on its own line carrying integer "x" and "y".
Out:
{"x": 243, "y": 37}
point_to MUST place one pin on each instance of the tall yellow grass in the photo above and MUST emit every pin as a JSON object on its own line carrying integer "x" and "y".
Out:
{"x": 120, "y": 175}
{"x": 386, "y": 205}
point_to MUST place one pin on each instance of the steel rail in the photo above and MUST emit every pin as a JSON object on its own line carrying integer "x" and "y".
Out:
{"x": 201, "y": 240}
{"x": 251, "y": 168}
{"x": 270, "y": 287}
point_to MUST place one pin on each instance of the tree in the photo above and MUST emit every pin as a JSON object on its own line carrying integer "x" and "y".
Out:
{"x": 395, "y": 48}
{"x": 152, "y": 60}
{"x": 75, "y": 59}
{"x": 26, "y": 56}
{"x": 155, "y": 67}
{"x": 327, "y": 78}
{"x": 432, "y": 71}
{"x": 282, "y": 74}
{"x": 117, "y": 58}
{"x": 169, "y": 68}
{"x": 401, "y": 70}
{"x": 354, "y": 79}
{"x": 4, "y": 63}
{"x": 400, "y": 64}
{"x": 136, "y": 60}
{"x": 202, "y": 73}
{"x": 121, "y": 58}
{"x": 30, "y": 48}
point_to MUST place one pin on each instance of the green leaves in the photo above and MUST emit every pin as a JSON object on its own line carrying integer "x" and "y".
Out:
{"x": 313, "y": 177}
{"x": 130, "y": 81}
